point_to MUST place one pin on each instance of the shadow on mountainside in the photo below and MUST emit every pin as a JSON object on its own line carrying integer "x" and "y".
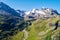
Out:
{"x": 57, "y": 24}
{"x": 10, "y": 26}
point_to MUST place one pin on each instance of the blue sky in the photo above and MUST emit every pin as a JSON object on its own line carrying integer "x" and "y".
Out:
{"x": 30, "y": 4}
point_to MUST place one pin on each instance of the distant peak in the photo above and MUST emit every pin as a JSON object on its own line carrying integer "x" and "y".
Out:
{"x": 43, "y": 7}
{"x": 1, "y": 3}
{"x": 34, "y": 9}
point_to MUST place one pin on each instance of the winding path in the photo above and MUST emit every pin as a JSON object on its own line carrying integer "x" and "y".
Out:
{"x": 25, "y": 34}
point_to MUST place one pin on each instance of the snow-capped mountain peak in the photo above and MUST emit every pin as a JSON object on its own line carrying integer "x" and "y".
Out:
{"x": 40, "y": 13}
{"x": 27, "y": 12}
{"x": 33, "y": 10}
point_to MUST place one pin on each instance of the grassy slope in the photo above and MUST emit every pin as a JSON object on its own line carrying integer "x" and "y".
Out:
{"x": 18, "y": 36}
{"x": 36, "y": 28}
{"x": 42, "y": 26}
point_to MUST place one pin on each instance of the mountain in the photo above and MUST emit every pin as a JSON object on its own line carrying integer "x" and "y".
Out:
{"x": 10, "y": 21}
{"x": 34, "y": 13}
{"x": 41, "y": 13}
{"x": 12, "y": 27}
{"x": 39, "y": 30}
{"x": 22, "y": 13}
{"x": 6, "y": 10}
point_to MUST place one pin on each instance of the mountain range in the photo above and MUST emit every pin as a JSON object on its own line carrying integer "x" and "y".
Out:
{"x": 34, "y": 13}
{"x": 41, "y": 13}
{"x": 36, "y": 24}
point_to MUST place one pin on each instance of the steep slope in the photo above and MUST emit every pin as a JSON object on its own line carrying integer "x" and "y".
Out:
{"x": 10, "y": 22}
{"x": 6, "y": 10}
{"x": 12, "y": 27}
{"x": 39, "y": 30}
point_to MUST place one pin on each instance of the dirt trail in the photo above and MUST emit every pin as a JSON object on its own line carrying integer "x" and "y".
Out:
{"x": 44, "y": 32}
{"x": 25, "y": 34}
